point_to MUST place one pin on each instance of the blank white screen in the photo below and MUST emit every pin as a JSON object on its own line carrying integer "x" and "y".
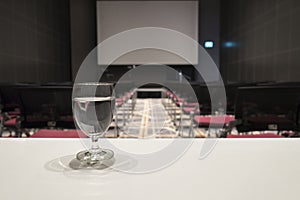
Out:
{"x": 114, "y": 17}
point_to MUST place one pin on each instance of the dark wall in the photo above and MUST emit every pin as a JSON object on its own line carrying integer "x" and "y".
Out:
{"x": 209, "y": 26}
{"x": 34, "y": 41}
{"x": 83, "y": 31}
{"x": 262, "y": 38}
{"x": 209, "y": 29}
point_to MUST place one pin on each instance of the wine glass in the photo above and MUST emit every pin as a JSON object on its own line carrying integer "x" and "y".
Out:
{"x": 93, "y": 108}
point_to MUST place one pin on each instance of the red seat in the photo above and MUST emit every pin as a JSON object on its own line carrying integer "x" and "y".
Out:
{"x": 46, "y": 133}
{"x": 190, "y": 109}
{"x": 189, "y": 104}
{"x": 14, "y": 113}
{"x": 263, "y": 135}
{"x": 214, "y": 120}
{"x": 128, "y": 95}
{"x": 10, "y": 122}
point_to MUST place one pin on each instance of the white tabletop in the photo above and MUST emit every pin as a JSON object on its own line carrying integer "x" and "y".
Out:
{"x": 235, "y": 169}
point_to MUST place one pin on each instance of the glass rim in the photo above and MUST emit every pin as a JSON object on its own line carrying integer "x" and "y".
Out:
{"x": 94, "y": 83}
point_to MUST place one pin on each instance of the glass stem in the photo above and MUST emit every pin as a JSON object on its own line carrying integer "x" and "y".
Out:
{"x": 95, "y": 149}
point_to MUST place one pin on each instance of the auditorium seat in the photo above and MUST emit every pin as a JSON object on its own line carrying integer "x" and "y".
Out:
{"x": 48, "y": 133}
{"x": 119, "y": 102}
{"x": 14, "y": 113}
{"x": 190, "y": 104}
{"x": 213, "y": 120}
{"x": 10, "y": 122}
{"x": 263, "y": 135}
{"x": 47, "y": 106}
{"x": 272, "y": 107}
{"x": 190, "y": 109}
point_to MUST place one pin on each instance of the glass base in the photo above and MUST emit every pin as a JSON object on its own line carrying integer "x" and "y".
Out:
{"x": 100, "y": 165}
{"x": 87, "y": 160}
{"x": 94, "y": 157}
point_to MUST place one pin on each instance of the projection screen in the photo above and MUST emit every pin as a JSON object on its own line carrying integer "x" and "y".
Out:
{"x": 117, "y": 16}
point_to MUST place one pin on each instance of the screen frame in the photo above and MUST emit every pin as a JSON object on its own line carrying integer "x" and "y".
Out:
{"x": 136, "y": 64}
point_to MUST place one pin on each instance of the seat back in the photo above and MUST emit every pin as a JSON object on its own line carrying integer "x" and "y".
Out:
{"x": 47, "y": 106}
{"x": 267, "y": 108}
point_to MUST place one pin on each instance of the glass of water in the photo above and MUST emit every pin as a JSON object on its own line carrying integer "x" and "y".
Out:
{"x": 93, "y": 108}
